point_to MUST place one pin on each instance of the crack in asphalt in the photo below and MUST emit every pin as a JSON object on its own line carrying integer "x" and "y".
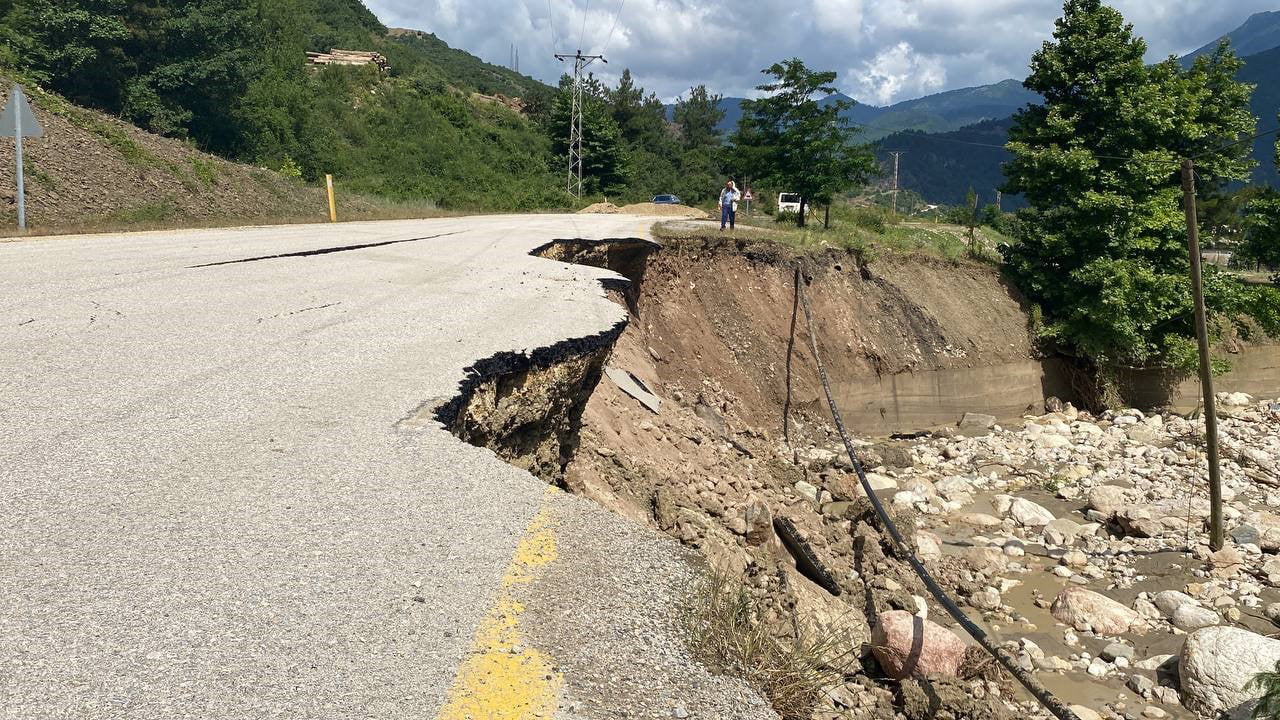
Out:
{"x": 323, "y": 251}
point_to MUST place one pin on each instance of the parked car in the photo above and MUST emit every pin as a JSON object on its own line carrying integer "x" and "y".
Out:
{"x": 666, "y": 200}
{"x": 789, "y": 202}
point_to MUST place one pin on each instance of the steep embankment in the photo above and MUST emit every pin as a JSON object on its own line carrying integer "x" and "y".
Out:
{"x": 707, "y": 427}
{"x": 91, "y": 170}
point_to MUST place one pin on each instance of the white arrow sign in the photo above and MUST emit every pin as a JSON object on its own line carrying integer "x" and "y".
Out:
{"x": 18, "y": 121}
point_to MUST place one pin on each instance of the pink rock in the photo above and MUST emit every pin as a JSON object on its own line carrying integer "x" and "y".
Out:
{"x": 907, "y": 645}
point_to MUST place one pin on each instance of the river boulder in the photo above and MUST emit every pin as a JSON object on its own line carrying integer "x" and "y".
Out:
{"x": 907, "y": 645}
{"x": 1216, "y": 664}
{"x": 1087, "y": 610}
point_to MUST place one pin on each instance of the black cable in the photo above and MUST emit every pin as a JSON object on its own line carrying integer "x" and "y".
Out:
{"x": 1238, "y": 142}
{"x": 605, "y": 49}
{"x": 1042, "y": 694}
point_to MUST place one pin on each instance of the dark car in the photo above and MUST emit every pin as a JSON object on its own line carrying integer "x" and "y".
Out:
{"x": 666, "y": 200}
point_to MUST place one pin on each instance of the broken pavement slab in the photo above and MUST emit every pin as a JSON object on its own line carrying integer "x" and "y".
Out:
{"x": 635, "y": 387}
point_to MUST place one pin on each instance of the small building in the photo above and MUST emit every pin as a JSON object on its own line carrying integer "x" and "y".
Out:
{"x": 348, "y": 57}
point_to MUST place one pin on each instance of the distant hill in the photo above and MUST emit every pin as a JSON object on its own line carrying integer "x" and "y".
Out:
{"x": 1261, "y": 32}
{"x": 235, "y": 83}
{"x": 1261, "y": 70}
{"x": 941, "y": 112}
{"x": 957, "y": 165}
{"x": 942, "y": 167}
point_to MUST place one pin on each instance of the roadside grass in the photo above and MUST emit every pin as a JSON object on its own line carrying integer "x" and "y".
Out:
{"x": 726, "y": 629}
{"x": 866, "y": 232}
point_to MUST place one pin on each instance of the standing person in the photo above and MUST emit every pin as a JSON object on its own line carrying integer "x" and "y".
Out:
{"x": 729, "y": 197}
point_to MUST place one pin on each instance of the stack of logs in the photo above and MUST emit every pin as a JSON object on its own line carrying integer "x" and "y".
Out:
{"x": 348, "y": 57}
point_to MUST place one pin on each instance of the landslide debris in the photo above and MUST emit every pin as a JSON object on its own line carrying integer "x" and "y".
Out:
{"x": 1061, "y": 532}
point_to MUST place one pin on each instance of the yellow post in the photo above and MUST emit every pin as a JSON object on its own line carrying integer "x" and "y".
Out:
{"x": 333, "y": 208}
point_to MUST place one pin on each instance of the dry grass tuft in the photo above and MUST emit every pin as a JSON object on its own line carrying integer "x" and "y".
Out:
{"x": 728, "y": 633}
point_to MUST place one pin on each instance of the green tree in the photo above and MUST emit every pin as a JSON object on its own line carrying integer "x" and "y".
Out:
{"x": 1102, "y": 249}
{"x": 1262, "y": 230}
{"x": 790, "y": 141}
{"x": 698, "y": 117}
{"x": 77, "y": 48}
{"x": 605, "y": 159}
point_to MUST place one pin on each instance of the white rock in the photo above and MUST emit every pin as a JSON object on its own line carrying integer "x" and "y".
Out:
{"x": 1084, "y": 609}
{"x": 928, "y": 545}
{"x": 1029, "y": 514}
{"x": 1170, "y": 600}
{"x": 807, "y": 491}
{"x": 1190, "y": 618}
{"x": 1108, "y": 499}
{"x": 1217, "y": 663}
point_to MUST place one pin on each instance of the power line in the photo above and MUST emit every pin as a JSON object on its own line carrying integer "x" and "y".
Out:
{"x": 585, "y": 9}
{"x": 903, "y": 551}
{"x": 1259, "y": 136}
{"x": 551, "y": 20}
{"x": 616, "y": 15}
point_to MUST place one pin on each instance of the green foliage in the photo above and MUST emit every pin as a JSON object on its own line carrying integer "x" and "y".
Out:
{"x": 1262, "y": 230}
{"x": 1268, "y": 684}
{"x": 605, "y": 158}
{"x": 790, "y": 140}
{"x": 699, "y": 116}
{"x": 1102, "y": 249}
{"x": 230, "y": 75}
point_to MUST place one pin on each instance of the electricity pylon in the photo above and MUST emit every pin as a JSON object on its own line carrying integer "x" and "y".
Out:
{"x": 580, "y": 62}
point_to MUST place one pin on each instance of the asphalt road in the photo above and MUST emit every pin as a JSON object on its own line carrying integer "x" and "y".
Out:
{"x": 206, "y": 506}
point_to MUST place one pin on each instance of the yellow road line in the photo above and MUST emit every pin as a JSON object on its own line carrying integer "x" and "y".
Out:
{"x": 503, "y": 678}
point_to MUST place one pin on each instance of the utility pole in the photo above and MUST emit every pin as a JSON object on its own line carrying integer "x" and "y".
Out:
{"x": 580, "y": 62}
{"x": 896, "y": 155}
{"x": 1206, "y": 367}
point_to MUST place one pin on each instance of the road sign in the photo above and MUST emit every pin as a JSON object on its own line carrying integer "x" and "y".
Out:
{"x": 18, "y": 121}
{"x": 17, "y": 118}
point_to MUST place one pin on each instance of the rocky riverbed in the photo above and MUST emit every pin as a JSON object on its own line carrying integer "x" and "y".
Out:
{"x": 1080, "y": 541}
{"x": 1083, "y": 542}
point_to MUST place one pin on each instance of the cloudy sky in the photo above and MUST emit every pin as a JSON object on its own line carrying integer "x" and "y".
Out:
{"x": 884, "y": 50}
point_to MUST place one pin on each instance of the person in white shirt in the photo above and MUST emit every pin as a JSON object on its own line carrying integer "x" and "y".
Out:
{"x": 729, "y": 198}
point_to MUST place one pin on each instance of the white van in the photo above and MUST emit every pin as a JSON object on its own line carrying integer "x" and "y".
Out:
{"x": 789, "y": 202}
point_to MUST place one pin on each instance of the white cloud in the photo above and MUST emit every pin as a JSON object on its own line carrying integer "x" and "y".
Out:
{"x": 885, "y": 50}
{"x": 899, "y": 71}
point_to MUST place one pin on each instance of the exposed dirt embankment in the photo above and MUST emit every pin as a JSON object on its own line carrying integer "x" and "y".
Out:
{"x": 729, "y": 316}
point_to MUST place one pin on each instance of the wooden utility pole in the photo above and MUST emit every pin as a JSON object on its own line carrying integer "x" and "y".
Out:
{"x": 1206, "y": 367}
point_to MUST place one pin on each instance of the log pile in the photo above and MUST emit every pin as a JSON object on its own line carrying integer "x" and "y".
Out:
{"x": 348, "y": 57}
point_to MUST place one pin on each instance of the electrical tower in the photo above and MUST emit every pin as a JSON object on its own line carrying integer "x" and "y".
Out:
{"x": 895, "y": 155}
{"x": 580, "y": 63}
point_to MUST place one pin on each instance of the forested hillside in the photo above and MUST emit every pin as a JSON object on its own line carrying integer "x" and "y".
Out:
{"x": 230, "y": 76}
{"x": 943, "y": 166}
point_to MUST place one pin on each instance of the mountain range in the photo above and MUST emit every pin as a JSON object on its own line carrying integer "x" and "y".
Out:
{"x": 941, "y": 112}
{"x": 943, "y": 166}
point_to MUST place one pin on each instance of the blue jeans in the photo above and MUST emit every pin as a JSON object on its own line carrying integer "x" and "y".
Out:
{"x": 727, "y": 216}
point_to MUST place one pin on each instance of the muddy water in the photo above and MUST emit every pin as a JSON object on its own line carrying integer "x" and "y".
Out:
{"x": 1155, "y": 572}
{"x": 915, "y": 401}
